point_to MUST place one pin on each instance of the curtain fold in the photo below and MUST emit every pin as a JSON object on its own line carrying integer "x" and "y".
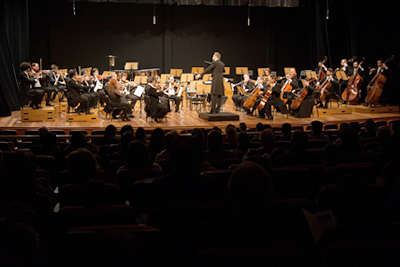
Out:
{"x": 14, "y": 48}
{"x": 266, "y": 3}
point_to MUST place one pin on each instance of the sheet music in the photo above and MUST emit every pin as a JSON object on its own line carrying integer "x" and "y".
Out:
{"x": 180, "y": 91}
{"x": 233, "y": 87}
{"x": 139, "y": 91}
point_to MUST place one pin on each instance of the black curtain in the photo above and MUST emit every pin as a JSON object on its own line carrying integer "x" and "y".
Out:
{"x": 14, "y": 48}
{"x": 268, "y": 3}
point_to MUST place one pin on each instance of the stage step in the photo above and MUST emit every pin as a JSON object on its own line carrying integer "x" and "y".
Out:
{"x": 222, "y": 116}
{"x": 75, "y": 117}
{"x": 42, "y": 114}
{"x": 381, "y": 109}
{"x": 331, "y": 111}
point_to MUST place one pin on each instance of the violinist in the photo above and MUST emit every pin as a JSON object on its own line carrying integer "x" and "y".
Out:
{"x": 118, "y": 99}
{"x": 41, "y": 82}
{"x": 157, "y": 110}
{"x": 28, "y": 87}
{"x": 98, "y": 86}
{"x": 88, "y": 86}
{"x": 248, "y": 86}
{"x": 170, "y": 92}
{"x": 56, "y": 82}
{"x": 75, "y": 94}
{"x": 333, "y": 90}
{"x": 274, "y": 99}
{"x": 129, "y": 89}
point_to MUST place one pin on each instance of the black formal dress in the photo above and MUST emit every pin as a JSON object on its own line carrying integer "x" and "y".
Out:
{"x": 217, "y": 88}
{"x": 87, "y": 87}
{"x": 28, "y": 89}
{"x": 118, "y": 100}
{"x": 289, "y": 96}
{"x": 307, "y": 105}
{"x": 157, "y": 109}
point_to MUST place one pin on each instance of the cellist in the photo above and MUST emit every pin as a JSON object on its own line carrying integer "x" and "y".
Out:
{"x": 381, "y": 67}
{"x": 290, "y": 79}
{"x": 333, "y": 90}
{"x": 274, "y": 99}
{"x": 247, "y": 86}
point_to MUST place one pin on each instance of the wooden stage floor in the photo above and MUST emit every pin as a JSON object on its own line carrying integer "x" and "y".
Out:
{"x": 190, "y": 119}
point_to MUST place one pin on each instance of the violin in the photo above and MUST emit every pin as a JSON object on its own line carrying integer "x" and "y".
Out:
{"x": 303, "y": 93}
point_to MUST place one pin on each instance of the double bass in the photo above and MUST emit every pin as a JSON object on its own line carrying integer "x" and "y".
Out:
{"x": 322, "y": 74}
{"x": 303, "y": 93}
{"x": 352, "y": 92}
{"x": 376, "y": 85}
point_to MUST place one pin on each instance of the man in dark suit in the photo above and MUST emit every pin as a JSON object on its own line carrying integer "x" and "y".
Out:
{"x": 75, "y": 94}
{"x": 157, "y": 110}
{"x": 28, "y": 87}
{"x": 217, "y": 87}
{"x": 274, "y": 99}
{"x": 56, "y": 82}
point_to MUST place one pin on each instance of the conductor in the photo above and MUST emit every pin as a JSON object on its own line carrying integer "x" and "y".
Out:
{"x": 217, "y": 87}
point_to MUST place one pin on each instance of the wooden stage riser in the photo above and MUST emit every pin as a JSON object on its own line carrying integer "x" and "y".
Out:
{"x": 190, "y": 119}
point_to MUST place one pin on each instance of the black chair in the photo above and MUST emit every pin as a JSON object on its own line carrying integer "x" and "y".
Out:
{"x": 147, "y": 108}
{"x": 110, "y": 109}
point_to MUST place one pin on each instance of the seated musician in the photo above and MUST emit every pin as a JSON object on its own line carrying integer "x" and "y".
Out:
{"x": 88, "y": 86}
{"x": 98, "y": 86}
{"x": 75, "y": 94}
{"x": 307, "y": 104}
{"x": 290, "y": 79}
{"x": 129, "y": 89}
{"x": 28, "y": 87}
{"x": 157, "y": 110}
{"x": 57, "y": 83}
{"x": 170, "y": 92}
{"x": 118, "y": 99}
{"x": 247, "y": 86}
{"x": 274, "y": 99}
{"x": 333, "y": 90}
{"x": 381, "y": 67}
{"x": 321, "y": 67}
{"x": 263, "y": 86}
{"x": 42, "y": 83}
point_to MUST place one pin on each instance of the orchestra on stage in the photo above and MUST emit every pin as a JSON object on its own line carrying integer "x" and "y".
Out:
{"x": 84, "y": 90}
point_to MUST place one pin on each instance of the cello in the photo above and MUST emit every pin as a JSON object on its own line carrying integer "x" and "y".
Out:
{"x": 265, "y": 98}
{"x": 251, "y": 101}
{"x": 322, "y": 74}
{"x": 324, "y": 87}
{"x": 352, "y": 92}
{"x": 375, "y": 87}
{"x": 303, "y": 93}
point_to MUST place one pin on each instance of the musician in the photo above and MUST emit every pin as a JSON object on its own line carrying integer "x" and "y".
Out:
{"x": 307, "y": 104}
{"x": 274, "y": 99}
{"x": 263, "y": 86}
{"x": 98, "y": 86}
{"x": 267, "y": 75}
{"x": 118, "y": 99}
{"x": 345, "y": 67}
{"x": 157, "y": 110}
{"x": 381, "y": 67}
{"x": 333, "y": 90}
{"x": 248, "y": 86}
{"x": 321, "y": 67}
{"x": 290, "y": 79}
{"x": 88, "y": 86}
{"x": 28, "y": 87}
{"x": 75, "y": 94}
{"x": 56, "y": 82}
{"x": 130, "y": 88}
{"x": 217, "y": 87}
{"x": 170, "y": 92}
{"x": 41, "y": 82}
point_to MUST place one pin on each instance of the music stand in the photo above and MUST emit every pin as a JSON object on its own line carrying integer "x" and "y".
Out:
{"x": 242, "y": 70}
{"x": 111, "y": 61}
{"x": 287, "y": 69}
{"x": 164, "y": 78}
{"x": 227, "y": 70}
{"x": 197, "y": 70}
{"x": 261, "y": 71}
{"x": 341, "y": 75}
{"x": 107, "y": 73}
{"x": 207, "y": 77}
{"x": 310, "y": 74}
{"x": 88, "y": 70}
{"x": 187, "y": 77}
{"x": 131, "y": 65}
{"x": 176, "y": 72}
{"x": 62, "y": 70}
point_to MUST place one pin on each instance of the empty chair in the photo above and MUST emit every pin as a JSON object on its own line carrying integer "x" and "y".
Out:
{"x": 380, "y": 123}
{"x": 8, "y": 132}
{"x": 31, "y": 132}
{"x": 221, "y": 175}
{"x": 331, "y": 126}
{"x": 80, "y": 131}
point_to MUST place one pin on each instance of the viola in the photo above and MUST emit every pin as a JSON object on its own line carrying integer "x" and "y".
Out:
{"x": 352, "y": 92}
{"x": 375, "y": 87}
